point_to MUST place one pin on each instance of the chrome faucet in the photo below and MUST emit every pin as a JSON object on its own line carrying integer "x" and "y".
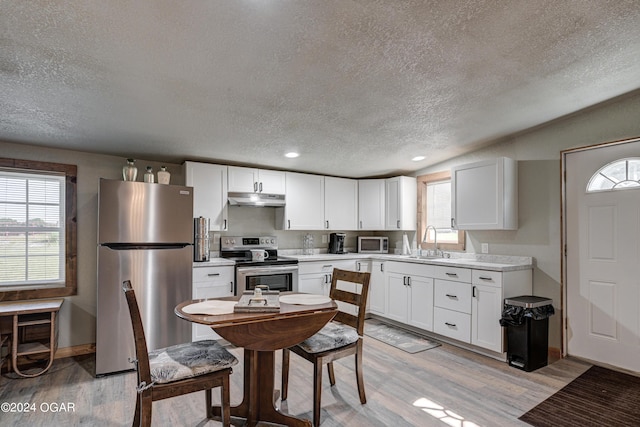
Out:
{"x": 435, "y": 252}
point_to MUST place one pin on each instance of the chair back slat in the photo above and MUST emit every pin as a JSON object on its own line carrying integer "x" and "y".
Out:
{"x": 144, "y": 371}
{"x": 357, "y": 299}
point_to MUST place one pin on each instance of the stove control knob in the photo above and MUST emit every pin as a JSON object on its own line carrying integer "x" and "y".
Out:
{"x": 273, "y": 241}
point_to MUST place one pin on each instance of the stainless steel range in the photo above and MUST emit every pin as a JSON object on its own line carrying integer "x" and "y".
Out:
{"x": 277, "y": 272}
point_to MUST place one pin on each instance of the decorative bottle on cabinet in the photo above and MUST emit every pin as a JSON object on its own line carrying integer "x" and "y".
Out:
{"x": 163, "y": 175}
{"x": 130, "y": 171}
{"x": 148, "y": 176}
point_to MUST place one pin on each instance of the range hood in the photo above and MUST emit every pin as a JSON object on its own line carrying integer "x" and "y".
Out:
{"x": 256, "y": 199}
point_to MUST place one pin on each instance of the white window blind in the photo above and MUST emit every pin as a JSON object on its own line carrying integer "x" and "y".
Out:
{"x": 439, "y": 204}
{"x": 32, "y": 228}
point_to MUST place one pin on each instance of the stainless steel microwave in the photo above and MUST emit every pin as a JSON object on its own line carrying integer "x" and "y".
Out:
{"x": 373, "y": 245}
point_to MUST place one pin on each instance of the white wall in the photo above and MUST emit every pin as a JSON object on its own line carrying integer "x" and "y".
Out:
{"x": 539, "y": 188}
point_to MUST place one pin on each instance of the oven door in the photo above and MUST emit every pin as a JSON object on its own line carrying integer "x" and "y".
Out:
{"x": 278, "y": 277}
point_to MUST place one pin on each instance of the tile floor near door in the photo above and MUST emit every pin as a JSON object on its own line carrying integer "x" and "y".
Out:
{"x": 441, "y": 386}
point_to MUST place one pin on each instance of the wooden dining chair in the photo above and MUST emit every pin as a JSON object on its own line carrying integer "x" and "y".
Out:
{"x": 177, "y": 370}
{"x": 339, "y": 338}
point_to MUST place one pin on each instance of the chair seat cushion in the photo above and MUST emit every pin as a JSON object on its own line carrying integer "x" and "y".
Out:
{"x": 188, "y": 360}
{"x": 332, "y": 336}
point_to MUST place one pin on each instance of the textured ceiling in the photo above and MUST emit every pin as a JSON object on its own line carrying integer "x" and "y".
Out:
{"x": 357, "y": 87}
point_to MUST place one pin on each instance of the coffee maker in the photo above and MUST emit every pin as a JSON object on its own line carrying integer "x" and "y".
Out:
{"x": 336, "y": 243}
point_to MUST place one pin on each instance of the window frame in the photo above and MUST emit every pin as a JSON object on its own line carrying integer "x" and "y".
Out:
{"x": 70, "y": 253}
{"x": 423, "y": 181}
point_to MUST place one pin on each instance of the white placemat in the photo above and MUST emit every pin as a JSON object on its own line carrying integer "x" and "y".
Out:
{"x": 211, "y": 307}
{"x": 304, "y": 299}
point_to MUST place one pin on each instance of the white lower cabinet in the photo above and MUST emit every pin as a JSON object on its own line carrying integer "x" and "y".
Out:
{"x": 409, "y": 294}
{"x": 453, "y": 309}
{"x": 469, "y": 303}
{"x": 210, "y": 282}
{"x": 315, "y": 278}
{"x": 377, "y": 285}
{"x": 489, "y": 290}
{"x": 485, "y": 330}
{"x": 460, "y": 303}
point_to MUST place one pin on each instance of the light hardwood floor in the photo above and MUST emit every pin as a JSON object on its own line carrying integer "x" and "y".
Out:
{"x": 437, "y": 387}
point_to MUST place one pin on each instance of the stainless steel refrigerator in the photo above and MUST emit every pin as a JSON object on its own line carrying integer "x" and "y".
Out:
{"x": 145, "y": 234}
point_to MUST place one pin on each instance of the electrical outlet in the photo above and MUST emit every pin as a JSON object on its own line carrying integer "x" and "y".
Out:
{"x": 324, "y": 238}
{"x": 485, "y": 248}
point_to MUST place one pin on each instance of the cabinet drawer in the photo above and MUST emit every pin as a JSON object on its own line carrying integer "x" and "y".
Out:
{"x": 410, "y": 268}
{"x": 458, "y": 274}
{"x": 453, "y": 295}
{"x": 489, "y": 278}
{"x": 452, "y": 324}
{"x": 325, "y": 266}
{"x": 212, "y": 274}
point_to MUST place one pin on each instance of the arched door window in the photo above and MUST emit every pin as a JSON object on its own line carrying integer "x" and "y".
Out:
{"x": 618, "y": 175}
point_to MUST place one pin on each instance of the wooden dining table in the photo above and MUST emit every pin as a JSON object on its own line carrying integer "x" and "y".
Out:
{"x": 261, "y": 334}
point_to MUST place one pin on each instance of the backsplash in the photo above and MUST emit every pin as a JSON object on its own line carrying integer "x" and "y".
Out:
{"x": 246, "y": 221}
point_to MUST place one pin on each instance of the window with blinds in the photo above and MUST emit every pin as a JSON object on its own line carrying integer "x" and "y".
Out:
{"x": 32, "y": 228}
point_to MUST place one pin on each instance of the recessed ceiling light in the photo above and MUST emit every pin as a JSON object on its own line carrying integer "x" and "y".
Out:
{"x": 418, "y": 158}
{"x": 292, "y": 155}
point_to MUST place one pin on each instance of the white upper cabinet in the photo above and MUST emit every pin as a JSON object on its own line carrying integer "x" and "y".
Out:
{"x": 209, "y": 184}
{"x": 484, "y": 195}
{"x": 305, "y": 203}
{"x": 340, "y": 203}
{"x": 401, "y": 203}
{"x": 371, "y": 204}
{"x": 248, "y": 180}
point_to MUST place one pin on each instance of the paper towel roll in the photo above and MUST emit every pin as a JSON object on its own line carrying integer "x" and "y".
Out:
{"x": 406, "y": 249}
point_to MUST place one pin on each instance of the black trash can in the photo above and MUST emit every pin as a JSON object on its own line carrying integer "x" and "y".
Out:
{"x": 527, "y": 321}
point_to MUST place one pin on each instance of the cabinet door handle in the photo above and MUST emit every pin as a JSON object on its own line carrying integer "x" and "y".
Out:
{"x": 327, "y": 225}
{"x": 409, "y": 281}
{"x": 289, "y": 224}
{"x": 360, "y": 224}
{"x": 473, "y": 291}
{"x": 357, "y": 266}
{"x": 255, "y": 187}
{"x": 382, "y": 267}
{"x": 231, "y": 289}
{"x": 224, "y": 226}
{"x": 453, "y": 223}
{"x": 398, "y": 224}
{"x": 213, "y": 274}
{"x": 452, "y": 296}
{"x": 260, "y": 188}
{"x": 451, "y": 274}
{"x": 453, "y": 325}
{"x": 484, "y": 278}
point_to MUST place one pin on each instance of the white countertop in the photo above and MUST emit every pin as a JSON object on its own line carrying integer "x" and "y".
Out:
{"x": 215, "y": 262}
{"x": 477, "y": 262}
{"x": 474, "y": 261}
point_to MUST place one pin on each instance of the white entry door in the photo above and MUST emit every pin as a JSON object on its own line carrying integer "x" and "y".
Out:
{"x": 603, "y": 262}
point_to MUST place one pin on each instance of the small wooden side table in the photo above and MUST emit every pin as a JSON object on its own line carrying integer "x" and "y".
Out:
{"x": 26, "y": 314}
